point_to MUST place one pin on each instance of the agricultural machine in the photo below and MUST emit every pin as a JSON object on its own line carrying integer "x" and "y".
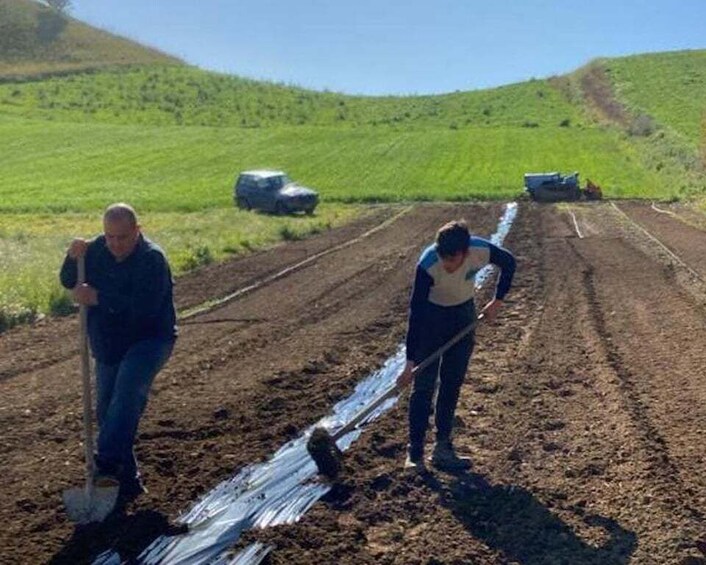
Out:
{"x": 554, "y": 187}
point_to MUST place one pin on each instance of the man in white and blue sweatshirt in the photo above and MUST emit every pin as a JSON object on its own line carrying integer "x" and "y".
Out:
{"x": 441, "y": 305}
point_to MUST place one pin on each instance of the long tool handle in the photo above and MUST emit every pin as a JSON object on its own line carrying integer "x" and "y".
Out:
{"x": 395, "y": 390}
{"x": 86, "y": 378}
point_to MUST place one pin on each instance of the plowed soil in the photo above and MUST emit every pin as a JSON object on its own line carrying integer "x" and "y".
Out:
{"x": 584, "y": 409}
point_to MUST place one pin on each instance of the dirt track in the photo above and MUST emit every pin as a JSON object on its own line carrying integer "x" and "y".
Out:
{"x": 584, "y": 410}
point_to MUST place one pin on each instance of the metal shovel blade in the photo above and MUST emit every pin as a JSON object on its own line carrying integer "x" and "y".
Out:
{"x": 84, "y": 505}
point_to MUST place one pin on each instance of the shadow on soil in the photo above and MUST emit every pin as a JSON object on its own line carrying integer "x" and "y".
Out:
{"x": 511, "y": 520}
{"x": 127, "y": 535}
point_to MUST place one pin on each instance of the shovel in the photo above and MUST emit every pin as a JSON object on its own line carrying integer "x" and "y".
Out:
{"x": 91, "y": 503}
{"x": 322, "y": 445}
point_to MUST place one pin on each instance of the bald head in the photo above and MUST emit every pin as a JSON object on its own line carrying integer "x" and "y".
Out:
{"x": 120, "y": 212}
{"x": 122, "y": 232}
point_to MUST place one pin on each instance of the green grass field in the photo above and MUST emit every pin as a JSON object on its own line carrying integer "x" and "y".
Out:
{"x": 87, "y": 118}
{"x": 56, "y": 177}
{"x": 73, "y": 167}
{"x": 32, "y": 246}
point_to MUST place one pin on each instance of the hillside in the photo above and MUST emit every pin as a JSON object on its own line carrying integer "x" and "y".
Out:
{"x": 188, "y": 96}
{"x": 641, "y": 93}
{"x": 87, "y": 118}
{"x": 36, "y": 40}
{"x": 657, "y": 100}
{"x": 669, "y": 87}
{"x": 353, "y": 148}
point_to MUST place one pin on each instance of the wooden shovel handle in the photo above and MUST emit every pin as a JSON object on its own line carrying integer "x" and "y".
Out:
{"x": 86, "y": 381}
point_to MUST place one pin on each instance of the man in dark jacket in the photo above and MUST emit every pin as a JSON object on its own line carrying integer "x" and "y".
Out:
{"x": 131, "y": 329}
{"x": 441, "y": 305}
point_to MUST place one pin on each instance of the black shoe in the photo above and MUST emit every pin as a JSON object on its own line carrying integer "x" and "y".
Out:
{"x": 444, "y": 457}
{"x": 130, "y": 490}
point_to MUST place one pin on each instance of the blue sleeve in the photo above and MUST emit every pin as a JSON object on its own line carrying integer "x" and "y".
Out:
{"x": 69, "y": 273}
{"x": 420, "y": 296}
{"x": 505, "y": 261}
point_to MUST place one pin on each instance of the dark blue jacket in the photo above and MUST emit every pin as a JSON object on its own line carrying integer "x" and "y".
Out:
{"x": 135, "y": 300}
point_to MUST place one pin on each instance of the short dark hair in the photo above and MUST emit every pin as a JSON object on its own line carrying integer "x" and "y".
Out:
{"x": 452, "y": 238}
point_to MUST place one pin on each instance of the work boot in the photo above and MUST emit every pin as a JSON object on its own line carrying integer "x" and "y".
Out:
{"x": 131, "y": 489}
{"x": 444, "y": 457}
{"x": 415, "y": 459}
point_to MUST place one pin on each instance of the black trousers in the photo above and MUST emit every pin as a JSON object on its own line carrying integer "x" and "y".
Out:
{"x": 440, "y": 325}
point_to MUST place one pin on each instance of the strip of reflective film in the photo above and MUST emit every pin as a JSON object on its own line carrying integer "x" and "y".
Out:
{"x": 282, "y": 489}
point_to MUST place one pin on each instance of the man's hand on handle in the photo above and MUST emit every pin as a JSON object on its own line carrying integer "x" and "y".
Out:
{"x": 490, "y": 311}
{"x": 77, "y": 249}
{"x": 85, "y": 294}
{"x": 82, "y": 294}
{"x": 405, "y": 377}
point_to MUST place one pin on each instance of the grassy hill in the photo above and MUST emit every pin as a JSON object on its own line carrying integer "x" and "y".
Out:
{"x": 87, "y": 118}
{"x": 37, "y": 40}
{"x": 658, "y": 99}
{"x": 189, "y": 96}
{"x": 174, "y": 138}
{"x": 669, "y": 87}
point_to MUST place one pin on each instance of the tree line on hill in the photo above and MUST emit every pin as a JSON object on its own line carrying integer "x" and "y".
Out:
{"x": 62, "y": 6}
{"x": 23, "y": 32}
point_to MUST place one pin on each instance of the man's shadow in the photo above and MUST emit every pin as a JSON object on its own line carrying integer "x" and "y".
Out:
{"x": 511, "y": 520}
{"x": 128, "y": 535}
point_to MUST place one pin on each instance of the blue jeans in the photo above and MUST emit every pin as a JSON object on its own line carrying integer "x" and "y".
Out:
{"x": 122, "y": 392}
{"x": 441, "y": 324}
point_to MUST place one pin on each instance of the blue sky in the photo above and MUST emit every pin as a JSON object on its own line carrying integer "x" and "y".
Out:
{"x": 400, "y": 47}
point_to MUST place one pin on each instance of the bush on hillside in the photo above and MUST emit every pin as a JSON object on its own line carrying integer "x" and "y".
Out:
{"x": 59, "y": 5}
{"x": 24, "y": 34}
{"x": 643, "y": 126}
{"x": 50, "y": 26}
{"x": 17, "y": 32}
